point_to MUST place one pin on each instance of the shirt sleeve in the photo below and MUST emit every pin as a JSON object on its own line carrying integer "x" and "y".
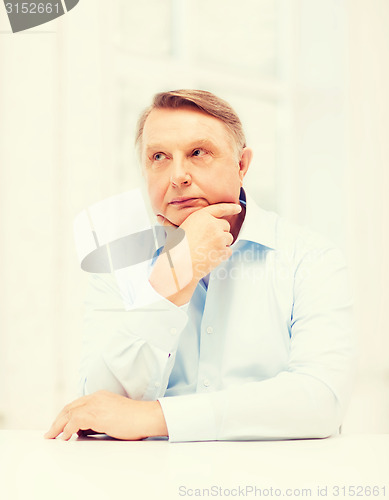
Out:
{"x": 128, "y": 349}
{"x": 309, "y": 398}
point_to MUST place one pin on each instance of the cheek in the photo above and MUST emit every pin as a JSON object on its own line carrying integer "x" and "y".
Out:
{"x": 225, "y": 190}
{"x": 156, "y": 200}
{"x": 233, "y": 184}
{"x": 156, "y": 192}
{"x": 223, "y": 183}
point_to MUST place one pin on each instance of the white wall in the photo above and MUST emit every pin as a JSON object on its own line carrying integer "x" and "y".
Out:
{"x": 52, "y": 153}
{"x": 310, "y": 85}
{"x": 29, "y": 217}
{"x": 367, "y": 222}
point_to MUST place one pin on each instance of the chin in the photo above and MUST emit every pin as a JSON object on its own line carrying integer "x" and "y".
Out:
{"x": 179, "y": 216}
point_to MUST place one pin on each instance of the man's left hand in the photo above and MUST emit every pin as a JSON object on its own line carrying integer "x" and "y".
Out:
{"x": 108, "y": 413}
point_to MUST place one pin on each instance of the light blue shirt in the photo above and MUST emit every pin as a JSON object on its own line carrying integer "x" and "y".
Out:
{"x": 265, "y": 351}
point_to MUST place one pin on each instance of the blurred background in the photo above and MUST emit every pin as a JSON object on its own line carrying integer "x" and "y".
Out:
{"x": 309, "y": 79}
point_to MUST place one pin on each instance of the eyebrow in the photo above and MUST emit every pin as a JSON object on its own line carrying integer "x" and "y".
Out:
{"x": 202, "y": 142}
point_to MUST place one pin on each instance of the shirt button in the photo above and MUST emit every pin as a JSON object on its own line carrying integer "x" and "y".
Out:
{"x": 206, "y": 382}
{"x": 157, "y": 384}
{"x": 173, "y": 331}
{"x": 209, "y": 329}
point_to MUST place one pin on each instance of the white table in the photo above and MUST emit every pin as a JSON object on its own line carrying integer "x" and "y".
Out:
{"x": 102, "y": 468}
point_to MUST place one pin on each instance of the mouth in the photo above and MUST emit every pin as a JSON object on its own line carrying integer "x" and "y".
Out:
{"x": 184, "y": 201}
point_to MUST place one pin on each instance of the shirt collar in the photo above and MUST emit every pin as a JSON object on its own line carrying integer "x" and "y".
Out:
{"x": 259, "y": 225}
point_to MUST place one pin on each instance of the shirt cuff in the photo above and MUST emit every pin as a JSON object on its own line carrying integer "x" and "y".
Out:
{"x": 193, "y": 417}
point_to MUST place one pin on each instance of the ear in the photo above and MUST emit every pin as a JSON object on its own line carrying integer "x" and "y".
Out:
{"x": 244, "y": 163}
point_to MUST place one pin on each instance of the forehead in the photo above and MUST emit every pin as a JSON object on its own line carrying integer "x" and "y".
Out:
{"x": 183, "y": 125}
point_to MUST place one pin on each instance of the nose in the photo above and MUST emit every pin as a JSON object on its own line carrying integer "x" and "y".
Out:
{"x": 179, "y": 175}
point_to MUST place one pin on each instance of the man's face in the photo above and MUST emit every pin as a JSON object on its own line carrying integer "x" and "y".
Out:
{"x": 190, "y": 162}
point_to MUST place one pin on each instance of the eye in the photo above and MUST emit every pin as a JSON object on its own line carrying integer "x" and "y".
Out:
{"x": 159, "y": 156}
{"x": 199, "y": 152}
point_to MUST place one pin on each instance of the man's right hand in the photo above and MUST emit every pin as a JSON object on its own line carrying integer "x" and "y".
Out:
{"x": 205, "y": 246}
{"x": 209, "y": 237}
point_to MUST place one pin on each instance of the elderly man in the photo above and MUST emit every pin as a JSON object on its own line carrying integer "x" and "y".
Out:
{"x": 250, "y": 336}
